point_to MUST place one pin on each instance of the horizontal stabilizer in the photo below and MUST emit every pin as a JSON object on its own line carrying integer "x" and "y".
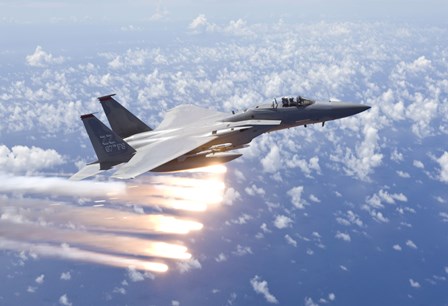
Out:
{"x": 87, "y": 171}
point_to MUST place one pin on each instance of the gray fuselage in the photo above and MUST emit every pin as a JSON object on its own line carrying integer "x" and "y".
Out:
{"x": 237, "y": 130}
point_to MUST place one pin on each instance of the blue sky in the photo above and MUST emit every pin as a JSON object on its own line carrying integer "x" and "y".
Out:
{"x": 100, "y": 12}
{"x": 352, "y": 213}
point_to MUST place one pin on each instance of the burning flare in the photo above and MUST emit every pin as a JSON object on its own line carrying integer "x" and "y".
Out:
{"x": 95, "y": 231}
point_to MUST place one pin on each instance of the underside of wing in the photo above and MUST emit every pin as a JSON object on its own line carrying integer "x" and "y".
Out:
{"x": 159, "y": 153}
{"x": 87, "y": 171}
{"x": 184, "y": 115}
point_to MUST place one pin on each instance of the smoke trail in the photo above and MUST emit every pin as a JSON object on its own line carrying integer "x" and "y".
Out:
{"x": 66, "y": 252}
{"x": 94, "y": 218}
{"x": 176, "y": 193}
{"x": 46, "y": 227}
{"x": 164, "y": 191}
{"x": 104, "y": 242}
{"x": 58, "y": 186}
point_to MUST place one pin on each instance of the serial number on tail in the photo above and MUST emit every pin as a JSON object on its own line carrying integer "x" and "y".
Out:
{"x": 110, "y": 145}
{"x": 107, "y": 139}
{"x": 115, "y": 148}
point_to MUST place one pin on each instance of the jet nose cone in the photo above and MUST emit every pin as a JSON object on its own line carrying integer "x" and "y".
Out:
{"x": 361, "y": 108}
{"x": 344, "y": 109}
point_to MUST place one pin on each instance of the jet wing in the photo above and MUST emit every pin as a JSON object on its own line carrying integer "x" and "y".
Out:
{"x": 87, "y": 171}
{"x": 159, "y": 153}
{"x": 184, "y": 115}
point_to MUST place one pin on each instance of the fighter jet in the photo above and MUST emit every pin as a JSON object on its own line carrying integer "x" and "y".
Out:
{"x": 190, "y": 136}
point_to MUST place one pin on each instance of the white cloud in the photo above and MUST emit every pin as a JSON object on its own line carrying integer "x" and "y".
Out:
{"x": 391, "y": 108}
{"x": 403, "y": 174}
{"x": 343, "y": 268}
{"x": 314, "y": 198}
{"x": 66, "y": 275}
{"x": 343, "y": 236}
{"x": 103, "y": 80}
{"x": 440, "y": 199}
{"x": 397, "y": 247}
{"x": 377, "y": 199}
{"x": 272, "y": 162}
{"x": 21, "y": 159}
{"x": 238, "y": 28}
{"x": 230, "y": 196}
{"x": 221, "y": 257}
{"x": 350, "y": 218}
{"x": 63, "y": 300}
{"x": 366, "y": 158}
{"x": 255, "y": 190}
{"x": 290, "y": 240}
{"x": 309, "y": 302}
{"x": 390, "y": 198}
{"x": 265, "y": 228}
{"x": 314, "y": 163}
{"x": 316, "y": 235}
{"x": 296, "y": 197}
{"x": 414, "y": 284}
{"x": 396, "y": 156}
{"x": 134, "y": 275}
{"x": 418, "y": 164}
{"x": 303, "y": 165}
{"x": 161, "y": 13}
{"x": 242, "y": 250}
{"x": 200, "y": 25}
{"x": 282, "y": 221}
{"x": 261, "y": 287}
{"x": 241, "y": 219}
{"x": 116, "y": 63}
{"x": 119, "y": 290}
{"x": 443, "y": 163}
{"x": 40, "y": 279}
{"x": 199, "y": 21}
{"x": 419, "y": 65}
{"x": 378, "y": 216}
{"x": 332, "y": 296}
{"x": 187, "y": 265}
{"x": 131, "y": 28}
{"x": 422, "y": 112}
{"x": 40, "y": 58}
{"x": 444, "y": 216}
{"x": 411, "y": 244}
{"x": 274, "y": 84}
{"x": 239, "y": 175}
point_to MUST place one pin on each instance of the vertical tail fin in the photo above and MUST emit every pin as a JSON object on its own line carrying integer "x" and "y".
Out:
{"x": 109, "y": 147}
{"x": 122, "y": 121}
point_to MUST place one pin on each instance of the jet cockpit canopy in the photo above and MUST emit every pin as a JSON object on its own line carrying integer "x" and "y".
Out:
{"x": 298, "y": 101}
